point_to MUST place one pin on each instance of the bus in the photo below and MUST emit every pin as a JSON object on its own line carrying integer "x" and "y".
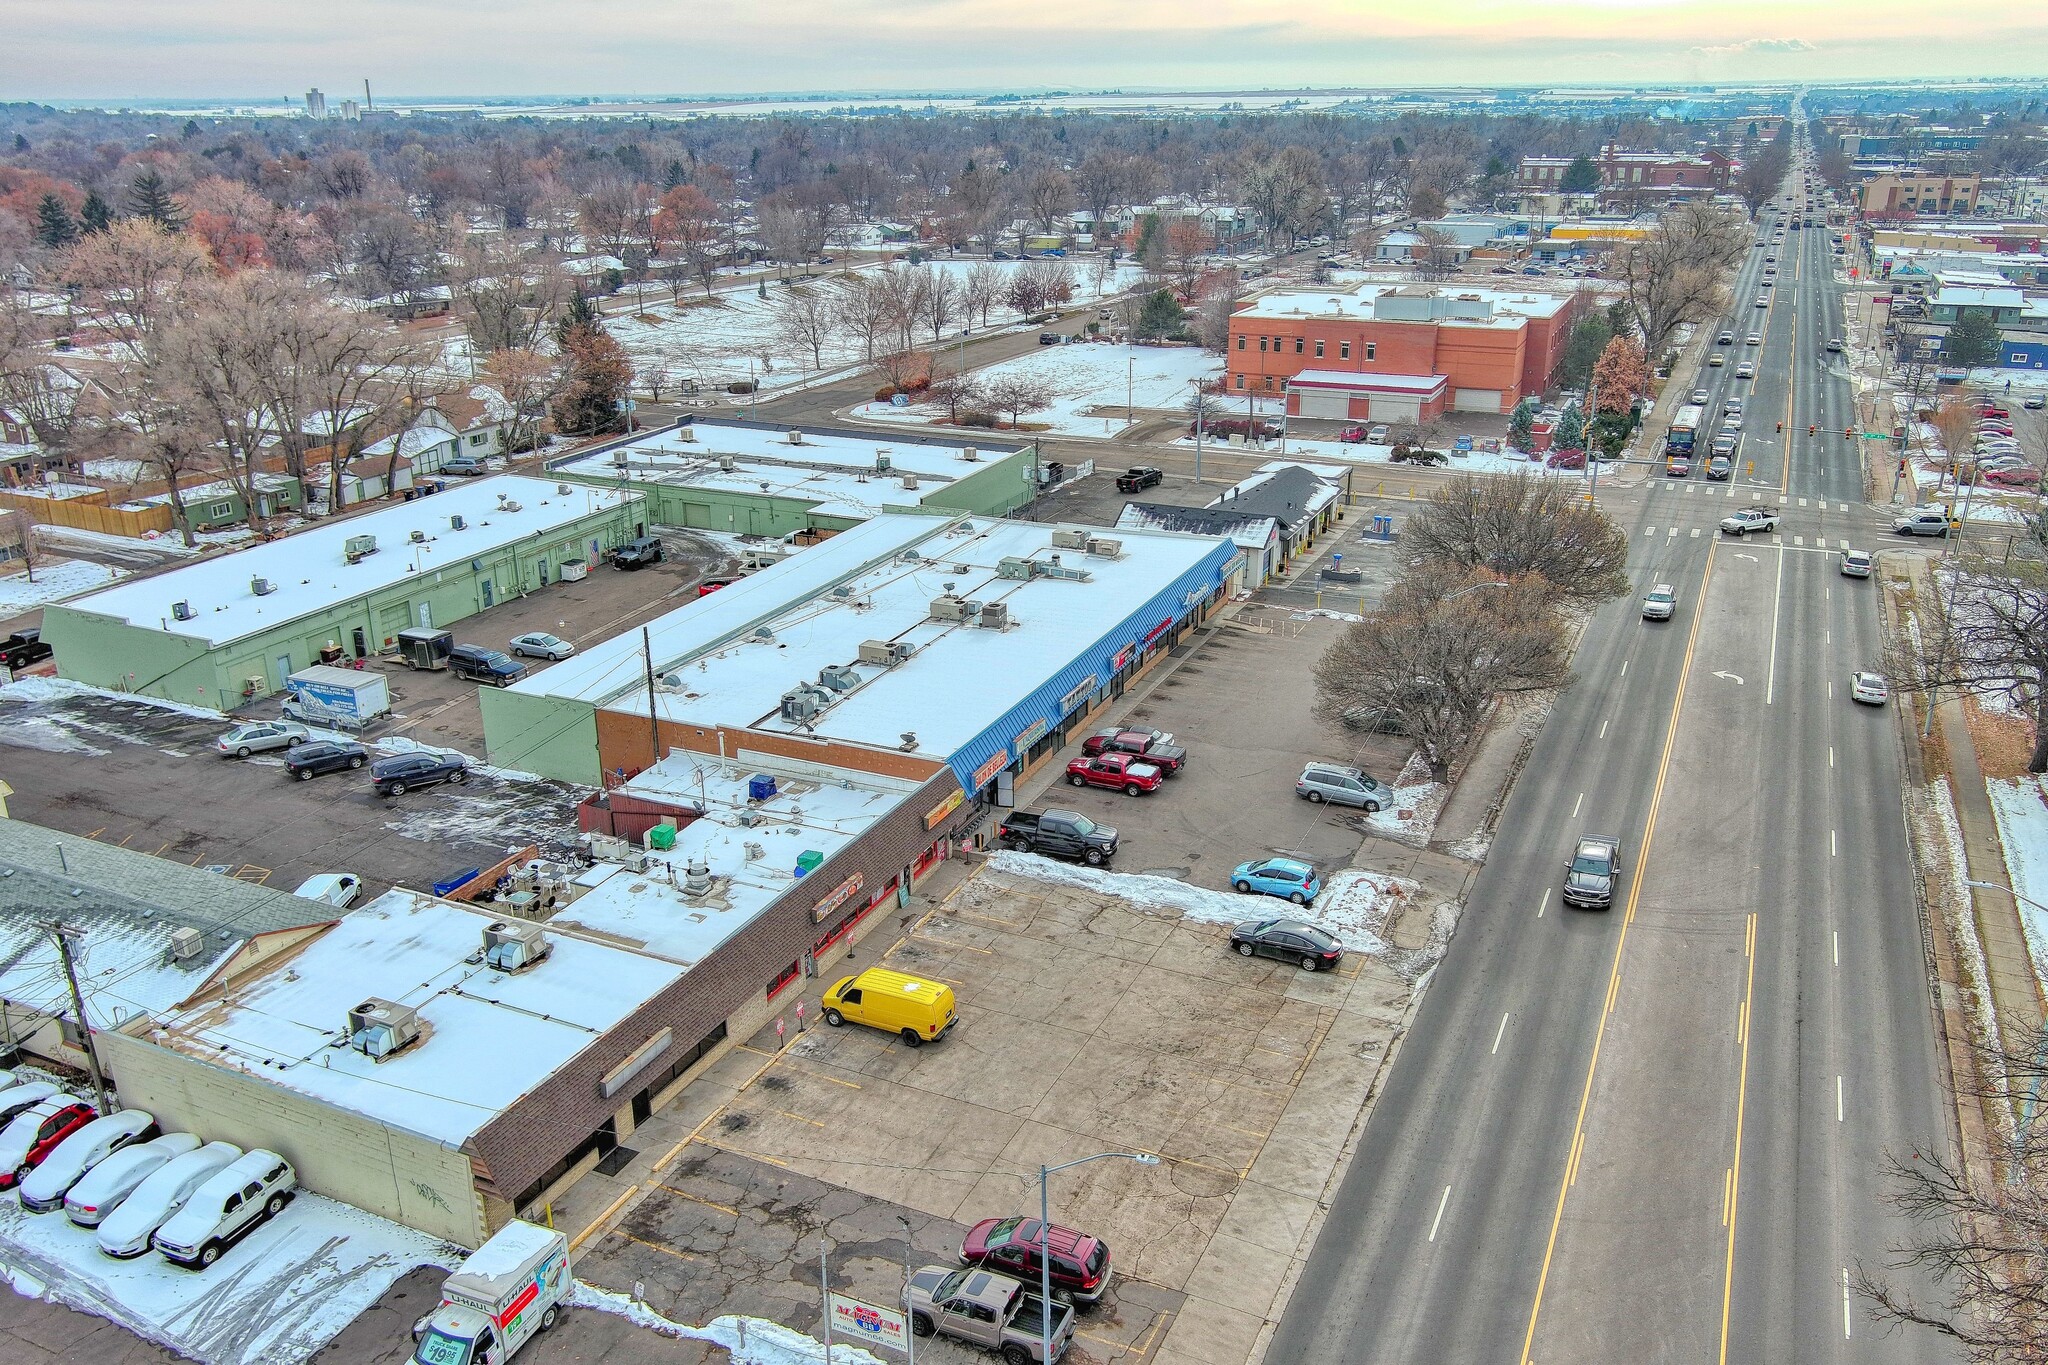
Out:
{"x": 1684, "y": 428}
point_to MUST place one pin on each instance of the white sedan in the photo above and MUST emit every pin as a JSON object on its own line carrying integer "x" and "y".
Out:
{"x": 538, "y": 644}
{"x": 1870, "y": 688}
{"x": 335, "y": 888}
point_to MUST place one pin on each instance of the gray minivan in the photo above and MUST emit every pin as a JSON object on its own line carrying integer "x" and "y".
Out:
{"x": 1341, "y": 786}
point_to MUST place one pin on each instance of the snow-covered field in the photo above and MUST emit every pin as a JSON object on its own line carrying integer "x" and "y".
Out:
{"x": 1093, "y": 382}
{"x": 52, "y": 583}
{"x": 284, "y": 1292}
{"x": 1363, "y": 453}
{"x": 732, "y": 336}
{"x": 1354, "y": 905}
{"x": 2022, "y": 810}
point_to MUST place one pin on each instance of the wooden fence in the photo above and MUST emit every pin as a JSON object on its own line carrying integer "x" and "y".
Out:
{"x": 86, "y": 514}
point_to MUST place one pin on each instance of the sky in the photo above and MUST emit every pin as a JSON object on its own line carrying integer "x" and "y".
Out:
{"x": 259, "y": 49}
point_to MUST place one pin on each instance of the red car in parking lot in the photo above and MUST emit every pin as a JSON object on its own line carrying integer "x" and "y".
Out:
{"x": 1127, "y": 773}
{"x": 1080, "y": 1263}
{"x": 33, "y": 1135}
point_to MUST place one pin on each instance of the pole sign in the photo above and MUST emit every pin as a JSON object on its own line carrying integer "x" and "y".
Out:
{"x": 859, "y": 1321}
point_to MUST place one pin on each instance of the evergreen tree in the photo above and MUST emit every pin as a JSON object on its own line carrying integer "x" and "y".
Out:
{"x": 1162, "y": 318}
{"x": 1522, "y": 424}
{"x": 150, "y": 198}
{"x": 1581, "y": 177}
{"x": 95, "y": 216}
{"x": 1571, "y": 429}
{"x": 20, "y": 143}
{"x": 1972, "y": 340}
{"x": 579, "y": 313}
{"x": 592, "y": 401}
{"x": 54, "y": 225}
{"x": 676, "y": 175}
{"x": 191, "y": 129}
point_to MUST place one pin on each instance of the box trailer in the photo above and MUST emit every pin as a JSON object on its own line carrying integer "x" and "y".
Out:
{"x": 326, "y": 695}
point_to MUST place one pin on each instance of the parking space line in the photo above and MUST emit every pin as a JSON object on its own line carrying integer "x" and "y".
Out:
{"x": 664, "y": 1250}
{"x": 603, "y": 1218}
{"x": 741, "y": 1151}
{"x": 97, "y": 833}
{"x": 944, "y": 943}
{"x": 696, "y": 1199}
{"x": 799, "y": 1118}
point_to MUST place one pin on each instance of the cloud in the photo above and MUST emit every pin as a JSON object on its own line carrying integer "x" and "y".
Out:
{"x": 1755, "y": 46}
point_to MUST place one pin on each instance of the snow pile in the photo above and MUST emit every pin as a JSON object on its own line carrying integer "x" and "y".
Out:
{"x": 1354, "y": 905}
{"x": 750, "y": 1341}
{"x": 52, "y": 583}
{"x": 2023, "y": 830}
{"x": 40, "y": 689}
{"x": 281, "y": 1294}
{"x": 1410, "y": 817}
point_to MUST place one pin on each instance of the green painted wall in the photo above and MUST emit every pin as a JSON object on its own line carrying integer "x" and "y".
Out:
{"x": 995, "y": 490}
{"x": 552, "y": 736}
{"x": 107, "y": 652}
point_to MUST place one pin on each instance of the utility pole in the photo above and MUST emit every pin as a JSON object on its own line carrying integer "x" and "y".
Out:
{"x": 63, "y": 933}
{"x": 653, "y": 718}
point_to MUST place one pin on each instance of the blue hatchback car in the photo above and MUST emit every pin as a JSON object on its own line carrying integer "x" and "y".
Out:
{"x": 1288, "y": 878}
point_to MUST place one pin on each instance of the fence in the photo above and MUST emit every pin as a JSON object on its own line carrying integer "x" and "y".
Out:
{"x": 82, "y": 515}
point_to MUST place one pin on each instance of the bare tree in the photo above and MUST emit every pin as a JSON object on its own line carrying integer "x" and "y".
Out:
{"x": 981, "y": 289}
{"x": 939, "y": 301}
{"x": 1521, "y": 528}
{"x": 865, "y": 310}
{"x": 794, "y": 225}
{"x": 805, "y": 321}
{"x": 133, "y": 274}
{"x": 1991, "y": 640}
{"x": 979, "y": 194}
{"x": 530, "y": 381}
{"x": 506, "y": 300}
{"x": 1429, "y": 661}
{"x": 613, "y": 216}
{"x": 1436, "y": 253}
{"x": 1049, "y": 194}
{"x": 1677, "y": 274}
{"x": 956, "y": 391}
{"x": 1017, "y": 394}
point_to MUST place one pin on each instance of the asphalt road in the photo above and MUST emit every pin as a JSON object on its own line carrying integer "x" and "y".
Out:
{"x": 1654, "y": 1134}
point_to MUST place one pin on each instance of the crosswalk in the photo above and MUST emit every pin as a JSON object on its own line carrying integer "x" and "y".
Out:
{"x": 1797, "y": 542}
{"x": 1750, "y": 493}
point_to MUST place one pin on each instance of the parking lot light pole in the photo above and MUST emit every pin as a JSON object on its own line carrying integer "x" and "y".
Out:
{"x": 1045, "y": 1240}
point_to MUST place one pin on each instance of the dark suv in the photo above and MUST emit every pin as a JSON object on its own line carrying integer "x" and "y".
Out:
{"x": 485, "y": 665}
{"x": 1080, "y": 1263}
{"x": 397, "y": 775}
{"x": 308, "y": 761}
{"x": 1590, "y": 876}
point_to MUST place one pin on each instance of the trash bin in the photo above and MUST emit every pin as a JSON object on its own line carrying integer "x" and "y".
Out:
{"x": 662, "y": 837}
{"x": 807, "y": 862}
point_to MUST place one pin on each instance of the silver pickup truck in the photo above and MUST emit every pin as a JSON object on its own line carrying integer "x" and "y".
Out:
{"x": 990, "y": 1310}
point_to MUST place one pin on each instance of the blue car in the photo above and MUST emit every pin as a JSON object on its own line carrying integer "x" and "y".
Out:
{"x": 1288, "y": 878}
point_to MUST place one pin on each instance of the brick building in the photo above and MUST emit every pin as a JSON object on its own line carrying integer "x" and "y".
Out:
{"x": 1913, "y": 193}
{"x": 1680, "y": 173}
{"x": 1407, "y": 353}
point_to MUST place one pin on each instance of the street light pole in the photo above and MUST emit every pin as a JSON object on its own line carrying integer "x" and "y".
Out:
{"x": 1201, "y": 424}
{"x": 1045, "y": 1240}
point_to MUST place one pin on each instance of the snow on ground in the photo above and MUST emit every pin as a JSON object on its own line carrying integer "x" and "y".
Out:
{"x": 1410, "y": 818}
{"x": 1093, "y": 383}
{"x": 1354, "y": 905}
{"x": 284, "y": 1292}
{"x": 39, "y": 689}
{"x": 750, "y": 1341}
{"x": 52, "y": 583}
{"x": 2022, "y": 810}
{"x": 732, "y": 335}
{"x": 119, "y": 471}
{"x": 1363, "y": 453}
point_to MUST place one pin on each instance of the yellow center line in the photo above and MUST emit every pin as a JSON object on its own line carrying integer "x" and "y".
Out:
{"x": 1735, "y": 1171}
{"x": 1571, "y": 1166}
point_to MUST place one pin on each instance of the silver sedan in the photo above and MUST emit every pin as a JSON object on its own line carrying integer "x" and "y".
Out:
{"x": 538, "y": 644}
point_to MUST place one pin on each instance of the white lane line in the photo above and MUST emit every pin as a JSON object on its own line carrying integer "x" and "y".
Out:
{"x": 1777, "y": 597}
{"x": 1439, "y": 1213}
{"x": 1603, "y": 729}
{"x": 1838, "y": 947}
{"x": 1497, "y": 1034}
{"x": 1845, "y": 1303}
{"x": 1831, "y": 843}
{"x": 1831, "y": 755}
{"x": 1838, "y": 1101}
{"x": 1543, "y": 904}
{"x": 1624, "y": 668}
{"x": 1578, "y": 803}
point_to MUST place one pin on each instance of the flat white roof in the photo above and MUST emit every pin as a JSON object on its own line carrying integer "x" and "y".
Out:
{"x": 310, "y": 573}
{"x": 839, "y": 471}
{"x": 488, "y": 1038}
{"x": 652, "y": 911}
{"x": 816, "y": 609}
{"x": 1355, "y": 302}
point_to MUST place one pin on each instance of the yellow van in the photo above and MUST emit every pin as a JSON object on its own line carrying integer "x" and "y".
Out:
{"x": 913, "y": 1008}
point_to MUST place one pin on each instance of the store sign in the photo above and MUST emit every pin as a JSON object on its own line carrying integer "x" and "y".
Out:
{"x": 637, "y": 1061}
{"x": 1029, "y": 735}
{"x": 857, "y": 1321}
{"x": 1122, "y": 657}
{"x": 997, "y": 761}
{"x": 836, "y": 899}
{"x": 944, "y": 809}
{"x": 1077, "y": 694}
{"x": 1157, "y": 631}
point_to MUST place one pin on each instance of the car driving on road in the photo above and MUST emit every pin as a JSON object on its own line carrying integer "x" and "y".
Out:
{"x": 1590, "y": 876}
{"x": 1660, "y": 602}
{"x": 1870, "y": 688}
{"x": 1927, "y": 521}
{"x": 1750, "y": 519}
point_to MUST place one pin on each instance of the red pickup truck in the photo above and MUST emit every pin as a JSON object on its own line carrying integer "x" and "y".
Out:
{"x": 1154, "y": 746}
{"x": 1128, "y": 773}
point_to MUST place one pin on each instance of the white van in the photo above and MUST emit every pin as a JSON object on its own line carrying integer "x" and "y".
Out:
{"x": 227, "y": 1208}
{"x": 102, "y": 1188}
{"x": 126, "y": 1231}
{"x": 43, "y": 1188}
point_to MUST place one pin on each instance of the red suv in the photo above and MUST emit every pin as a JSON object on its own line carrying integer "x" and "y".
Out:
{"x": 35, "y": 1134}
{"x": 1080, "y": 1263}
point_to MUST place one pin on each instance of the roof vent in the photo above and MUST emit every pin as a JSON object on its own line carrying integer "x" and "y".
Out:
{"x": 727, "y": 463}
{"x": 417, "y": 537}
{"x": 379, "y": 1028}
{"x": 262, "y": 587}
{"x": 515, "y": 945}
{"x": 564, "y": 489}
{"x": 187, "y": 944}
{"x": 697, "y": 878}
{"x": 456, "y": 523}
{"x": 883, "y": 461}
{"x": 969, "y": 454}
{"x": 910, "y": 480}
{"x": 762, "y": 636}
{"x": 796, "y": 438}
{"x": 621, "y": 458}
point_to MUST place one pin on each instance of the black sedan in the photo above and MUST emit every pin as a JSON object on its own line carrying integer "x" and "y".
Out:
{"x": 308, "y": 761}
{"x": 1310, "y": 948}
{"x": 396, "y": 776}
{"x": 1138, "y": 479}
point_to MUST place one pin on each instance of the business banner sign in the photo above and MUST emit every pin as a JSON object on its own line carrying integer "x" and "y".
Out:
{"x": 997, "y": 761}
{"x": 1077, "y": 694}
{"x": 839, "y": 896}
{"x": 853, "y": 1320}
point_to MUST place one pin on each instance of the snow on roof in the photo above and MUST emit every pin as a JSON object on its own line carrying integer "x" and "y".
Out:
{"x": 310, "y": 573}
{"x": 960, "y": 678}
{"x": 488, "y": 1038}
{"x": 1245, "y": 529}
{"x": 1355, "y": 301}
{"x": 1387, "y": 383}
{"x": 835, "y": 471}
{"x": 1979, "y": 296}
{"x": 649, "y": 911}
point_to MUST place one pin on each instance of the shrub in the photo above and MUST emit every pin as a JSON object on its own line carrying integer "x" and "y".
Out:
{"x": 885, "y": 393}
{"x": 740, "y": 386}
{"x": 983, "y": 420}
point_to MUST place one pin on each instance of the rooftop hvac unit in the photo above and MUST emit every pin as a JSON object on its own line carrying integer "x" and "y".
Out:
{"x": 262, "y": 587}
{"x": 564, "y": 489}
{"x": 727, "y": 463}
{"x": 839, "y": 677}
{"x": 187, "y": 944}
{"x": 804, "y": 701}
{"x": 417, "y": 537}
{"x": 620, "y": 459}
{"x": 378, "y": 1028}
{"x": 910, "y": 480}
{"x": 1059, "y": 570}
{"x": 686, "y": 432}
{"x": 796, "y": 438}
{"x": 1014, "y": 566}
{"x": 1070, "y": 540}
{"x": 356, "y": 547}
{"x": 969, "y": 454}
{"x": 456, "y": 523}
{"x": 181, "y": 610}
{"x": 949, "y": 607}
{"x": 882, "y": 460}
{"x": 995, "y": 616}
{"x": 515, "y": 945}
{"x": 887, "y": 653}
{"x": 1102, "y": 547}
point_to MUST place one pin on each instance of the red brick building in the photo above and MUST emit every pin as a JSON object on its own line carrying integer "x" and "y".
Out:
{"x": 1410, "y": 353}
{"x": 1706, "y": 173}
